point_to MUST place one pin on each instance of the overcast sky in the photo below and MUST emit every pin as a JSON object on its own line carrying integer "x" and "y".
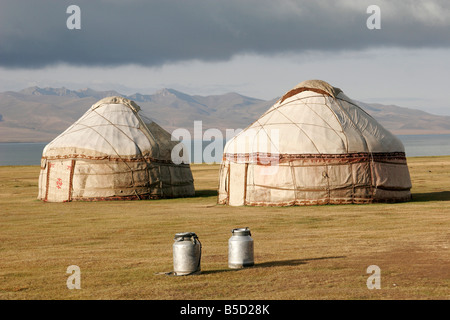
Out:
{"x": 259, "y": 48}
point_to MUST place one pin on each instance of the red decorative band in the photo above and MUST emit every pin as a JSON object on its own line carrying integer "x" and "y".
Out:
{"x": 132, "y": 197}
{"x": 111, "y": 158}
{"x": 268, "y": 158}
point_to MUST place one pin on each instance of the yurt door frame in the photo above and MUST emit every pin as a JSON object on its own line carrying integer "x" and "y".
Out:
{"x": 59, "y": 180}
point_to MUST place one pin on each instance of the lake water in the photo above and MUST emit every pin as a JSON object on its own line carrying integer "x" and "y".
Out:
{"x": 20, "y": 154}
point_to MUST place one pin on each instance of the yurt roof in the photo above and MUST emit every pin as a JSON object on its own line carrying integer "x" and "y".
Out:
{"x": 314, "y": 118}
{"x": 318, "y": 86}
{"x": 117, "y": 100}
{"x": 112, "y": 128}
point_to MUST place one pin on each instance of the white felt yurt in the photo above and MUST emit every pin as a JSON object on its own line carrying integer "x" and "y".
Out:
{"x": 112, "y": 153}
{"x": 314, "y": 146}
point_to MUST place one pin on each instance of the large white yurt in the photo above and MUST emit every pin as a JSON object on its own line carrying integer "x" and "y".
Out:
{"x": 112, "y": 153}
{"x": 314, "y": 146}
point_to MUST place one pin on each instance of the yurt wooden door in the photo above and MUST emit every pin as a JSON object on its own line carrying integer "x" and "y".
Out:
{"x": 59, "y": 180}
{"x": 238, "y": 179}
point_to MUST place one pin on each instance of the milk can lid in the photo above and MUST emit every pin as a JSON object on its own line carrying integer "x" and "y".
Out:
{"x": 185, "y": 235}
{"x": 241, "y": 232}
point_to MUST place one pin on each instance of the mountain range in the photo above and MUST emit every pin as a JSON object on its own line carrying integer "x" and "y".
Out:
{"x": 40, "y": 114}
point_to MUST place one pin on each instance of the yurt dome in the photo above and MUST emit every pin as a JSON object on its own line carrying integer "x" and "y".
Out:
{"x": 314, "y": 146}
{"x": 112, "y": 153}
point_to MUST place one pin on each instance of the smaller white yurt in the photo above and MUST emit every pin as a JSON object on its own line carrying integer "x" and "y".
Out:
{"x": 112, "y": 153}
{"x": 314, "y": 146}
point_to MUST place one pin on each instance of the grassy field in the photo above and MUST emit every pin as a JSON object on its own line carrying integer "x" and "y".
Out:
{"x": 319, "y": 252}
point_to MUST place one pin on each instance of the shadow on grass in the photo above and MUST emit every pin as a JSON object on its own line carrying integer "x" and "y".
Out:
{"x": 416, "y": 197}
{"x": 205, "y": 193}
{"x": 270, "y": 264}
{"x": 294, "y": 262}
{"x": 431, "y": 196}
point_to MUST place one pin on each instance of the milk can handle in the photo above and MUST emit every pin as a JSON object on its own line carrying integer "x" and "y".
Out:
{"x": 195, "y": 239}
{"x": 246, "y": 229}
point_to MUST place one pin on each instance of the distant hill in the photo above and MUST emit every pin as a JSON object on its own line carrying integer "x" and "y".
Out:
{"x": 401, "y": 120}
{"x": 39, "y": 114}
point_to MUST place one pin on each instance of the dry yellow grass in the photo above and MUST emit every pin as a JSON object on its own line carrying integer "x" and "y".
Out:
{"x": 319, "y": 252}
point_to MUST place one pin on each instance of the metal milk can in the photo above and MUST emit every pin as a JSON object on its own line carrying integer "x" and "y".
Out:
{"x": 187, "y": 251}
{"x": 240, "y": 249}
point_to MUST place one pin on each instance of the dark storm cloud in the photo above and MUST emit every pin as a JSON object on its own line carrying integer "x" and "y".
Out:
{"x": 34, "y": 33}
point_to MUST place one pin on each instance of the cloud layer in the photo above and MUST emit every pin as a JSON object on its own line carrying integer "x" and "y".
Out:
{"x": 33, "y": 34}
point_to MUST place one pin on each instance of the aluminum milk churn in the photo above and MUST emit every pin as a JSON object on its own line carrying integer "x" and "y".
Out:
{"x": 240, "y": 249}
{"x": 187, "y": 251}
